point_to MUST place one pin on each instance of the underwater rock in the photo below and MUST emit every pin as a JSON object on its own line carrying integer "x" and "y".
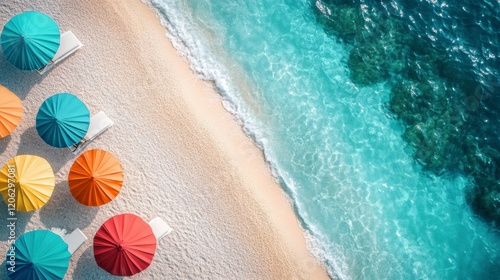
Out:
{"x": 350, "y": 3}
{"x": 479, "y": 162}
{"x": 341, "y": 19}
{"x": 485, "y": 201}
{"x": 434, "y": 116}
{"x": 367, "y": 64}
{"x": 433, "y": 148}
{"x": 403, "y": 102}
{"x": 382, "y": 53}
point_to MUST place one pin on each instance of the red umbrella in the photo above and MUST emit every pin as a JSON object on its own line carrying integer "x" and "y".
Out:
{"x": 124, "y": 245}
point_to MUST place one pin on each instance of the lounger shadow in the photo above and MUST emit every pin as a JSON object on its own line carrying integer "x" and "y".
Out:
{"x": 98, "y": 124}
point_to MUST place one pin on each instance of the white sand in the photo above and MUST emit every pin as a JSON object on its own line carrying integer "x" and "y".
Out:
{"x": 185, "y": 158}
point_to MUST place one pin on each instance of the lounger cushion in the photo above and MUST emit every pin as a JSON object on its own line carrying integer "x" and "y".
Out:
{"x": 75, "y": 240}
{"x": 160, "y": 227}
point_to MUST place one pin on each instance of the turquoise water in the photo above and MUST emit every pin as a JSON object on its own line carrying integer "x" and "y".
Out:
{"x": 368, "y": 206}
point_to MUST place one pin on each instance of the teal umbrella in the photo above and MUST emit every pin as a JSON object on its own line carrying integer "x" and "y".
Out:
{"x": 30, "y": 40}
{"x": 38, "y": 254}
{"x": 62, "y": 120}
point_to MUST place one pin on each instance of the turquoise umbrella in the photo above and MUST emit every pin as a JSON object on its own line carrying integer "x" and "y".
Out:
{"x": 30, "y": 40}
{"x": 38, "y": 254}
{"x": 62, "y": 120}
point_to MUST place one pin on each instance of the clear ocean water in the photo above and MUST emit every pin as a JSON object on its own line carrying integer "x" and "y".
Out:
{"x": 374, "y": 205}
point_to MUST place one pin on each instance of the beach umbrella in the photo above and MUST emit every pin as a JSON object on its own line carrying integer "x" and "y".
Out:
{"x": 62, "y": 120}
{"x": 30, "y": 40}
{"x": 32, "y": 179}
{"x": 38, "y": 254}
{"x": 124, "y": 245}
{"x": 11, "y": 110}
{"x": 95, "y": 178}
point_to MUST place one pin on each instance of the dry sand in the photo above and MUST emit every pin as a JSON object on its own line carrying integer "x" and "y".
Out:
{"x": 185, "y": 158}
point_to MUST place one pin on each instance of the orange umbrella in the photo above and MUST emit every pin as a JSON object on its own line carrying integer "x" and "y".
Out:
{"x": 11, "y": 110}
{"x": 95, "y": 178}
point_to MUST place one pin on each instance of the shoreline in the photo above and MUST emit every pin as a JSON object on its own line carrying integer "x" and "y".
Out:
{"x": 245, "y": 155}
{"x": 185, "y": 157}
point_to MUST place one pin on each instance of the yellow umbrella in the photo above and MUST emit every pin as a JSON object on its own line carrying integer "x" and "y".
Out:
{"x": 26, "y": 182}
{"x": 11, "y": 110}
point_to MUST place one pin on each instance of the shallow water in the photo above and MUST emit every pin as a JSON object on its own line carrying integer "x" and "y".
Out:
{"x": 372, "y": 209}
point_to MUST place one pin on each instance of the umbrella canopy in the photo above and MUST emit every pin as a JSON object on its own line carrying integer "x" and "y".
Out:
{"x": 38, "y": 254}
{"x": 11, "y": 110}
{"x": 33, "y": 180}
{"x": 95, "y": 178}
{"x": 62, "y": 120}
{"x": 30, "y": 40}
{"x": 124, "y": 245}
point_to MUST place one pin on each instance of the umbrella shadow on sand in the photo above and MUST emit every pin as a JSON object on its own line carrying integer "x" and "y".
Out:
{"x": 4, "y": 142}
{"x": 87, "y": 268}
{"x": 3, "y": 272}
{"x": 18, "y": 81}
{"x": 32, "y": 144}
{"x": 63, "y": 211}
{"x": 23, "y": 218}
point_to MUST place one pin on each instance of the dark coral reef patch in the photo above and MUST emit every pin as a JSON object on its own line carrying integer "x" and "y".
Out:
{"x": 444, "y": 111}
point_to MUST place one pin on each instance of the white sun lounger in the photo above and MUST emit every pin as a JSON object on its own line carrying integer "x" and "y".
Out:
{"x": 98, "y": 124}
{"x": 68, "y": 45}
{"x": 75, "y": 240}
{"x": 160, "y": 228}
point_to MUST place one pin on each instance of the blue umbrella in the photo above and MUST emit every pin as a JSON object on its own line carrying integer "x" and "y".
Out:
{"x": 38, "y": 254}
{"x": 62, "y": 120}
{"x": 30, "y": 40}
